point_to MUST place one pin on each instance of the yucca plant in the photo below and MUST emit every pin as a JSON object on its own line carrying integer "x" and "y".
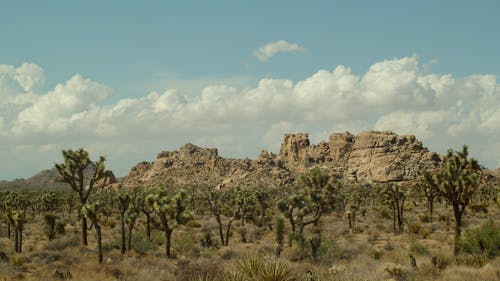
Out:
{"x": 256, "y": 268}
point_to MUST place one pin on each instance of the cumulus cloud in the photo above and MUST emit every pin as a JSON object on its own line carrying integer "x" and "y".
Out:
{"x": 267, "y": 51}
{"x": 441, "y": 110}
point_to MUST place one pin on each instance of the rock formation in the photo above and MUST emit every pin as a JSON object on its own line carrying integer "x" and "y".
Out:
{"x": 372, "y": 157}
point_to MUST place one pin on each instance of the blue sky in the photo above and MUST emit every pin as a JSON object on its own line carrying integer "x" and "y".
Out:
{"x": 136, "y": 47}
{"x": 124, "y": 44}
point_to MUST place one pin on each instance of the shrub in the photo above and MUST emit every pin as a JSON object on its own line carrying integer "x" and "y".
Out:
{"x": 482, "y": 243}
{"x": 183, "y": 243}
{"x": 60, "y": 225}
{"x": 425, "y": 232}
{"x": 258, "y": 268}
{"x": 440, "y": 262}
{"x": 376, "y": 254}
{"x": 418, "y": 248}
{"x": 141, "y": 244}
{"x": 396, "y": 271}
{"x": 63, "y": 243}
{"x": 193, "y": 224}
{"x": 414, "y": 227}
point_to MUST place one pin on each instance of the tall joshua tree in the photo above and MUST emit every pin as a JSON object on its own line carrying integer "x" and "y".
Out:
{"x": 91, "y": 211}
{"x": 308, "y": 203}
{"x": 429, "y": 186}
{"x": 124, "y": 200}
{"x": 457, "y": 183}
{"x": 171, "y": 210}
{"x": 72, "y": 171}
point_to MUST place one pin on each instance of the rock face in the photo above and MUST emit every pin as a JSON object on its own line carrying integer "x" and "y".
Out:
{"x": 372, "y": 157}
{"x": 193, "y": 165}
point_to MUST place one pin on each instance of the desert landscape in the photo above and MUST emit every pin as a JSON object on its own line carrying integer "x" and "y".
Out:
{"x": 249, "y": 140}
{"x": 372, "y": 206}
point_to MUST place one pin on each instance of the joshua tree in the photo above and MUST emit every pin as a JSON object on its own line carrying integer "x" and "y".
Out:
{"x": 429, "y": 186}
{"x": 72, "y": 171}
{"x": 309, "y": 203}
{"x": 171, "y": 210}
{"x": 222, "y": 203}
{"x": 131, "y": 217}
{"x": 395, "y": 196}
{"x": 124, "y": 202}
{"x": 244, "y": 202}
{"x": 280, "y": 234}
{"x": 263, "y": 198}
{"x": 91, "y": 211}
{"x": 17, "y": 219}
{"x": 457, "y": 183}
{"x": 144, "y": 207}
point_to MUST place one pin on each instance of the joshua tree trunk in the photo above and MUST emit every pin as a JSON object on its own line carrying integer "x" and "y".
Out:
{"x": 99, "y": 242}
{"x": 458, "y": 226}
{"x": 148, "y": 226}
{"x": 84, "y": 231}
{"x": 20, "y": 243}
{"x": 130, "y": 237}
{"x": 168, "y": 236}
{"x": 8, "y": 230}
{"x": 431, "y": 209}
{"x": 16, "y": 241}
{"x": 221, "y": 232}
{"x": 228, "y": 230}
{"x": 122, "y": 249}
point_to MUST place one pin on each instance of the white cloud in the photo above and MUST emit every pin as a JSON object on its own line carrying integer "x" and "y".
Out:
{"x": 441, "y": 110}
{"x": 267, "y": 51}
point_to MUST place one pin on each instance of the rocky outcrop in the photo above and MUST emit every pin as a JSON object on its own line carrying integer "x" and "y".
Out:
{"x": 370, "y": 157}
{"x": 193, "y": 165}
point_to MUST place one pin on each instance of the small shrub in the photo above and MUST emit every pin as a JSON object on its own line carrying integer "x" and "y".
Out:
{"x": 16, "y": 260}
{"x": 418, "y": 248}
{"x": 376, "y": 254}
{"x": 425, "y": 218}
{"x": 60, "y": 225}
{"x": 389, "y": 246}
{"x": 183, "y": 243}
{"x": 203, "y": 271}
{"x": 440, "y": 262}
{"x": 396, "y": 271}
{"x": 206, "y": 240}
{"x": 193, "y": 224}
{"x": 243, "y": 231}
{"x": 62, "y": 243}
{"x": 482, "y": 243}
{"x": 414, "y": 227}
{"x": 425, "y": 232}
{"x": 227, "y": 253}
{"x": 141, "y": 244}
{"x": 111, "y": 244}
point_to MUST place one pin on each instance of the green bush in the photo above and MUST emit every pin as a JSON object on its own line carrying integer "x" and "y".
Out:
{"x": 418, "y": 248}
{"x": 482, "y": 242}
{"x": 414, "y": 227}
{"x": 183, "y": 244}
{"x": 141, "y": 244}
{"x": 376, "y": 254}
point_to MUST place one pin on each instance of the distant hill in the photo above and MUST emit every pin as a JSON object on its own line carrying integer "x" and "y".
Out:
{"x": 44, "y": 179}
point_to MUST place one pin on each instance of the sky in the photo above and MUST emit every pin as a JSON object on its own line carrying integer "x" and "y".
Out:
{"x": 129, "y": 79}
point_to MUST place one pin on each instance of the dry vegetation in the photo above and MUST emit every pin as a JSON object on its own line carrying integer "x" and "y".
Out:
{"x": 354, "y": 237}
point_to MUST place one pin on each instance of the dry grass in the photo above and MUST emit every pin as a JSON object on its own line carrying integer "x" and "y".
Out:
{"x": 344, "y": 255}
